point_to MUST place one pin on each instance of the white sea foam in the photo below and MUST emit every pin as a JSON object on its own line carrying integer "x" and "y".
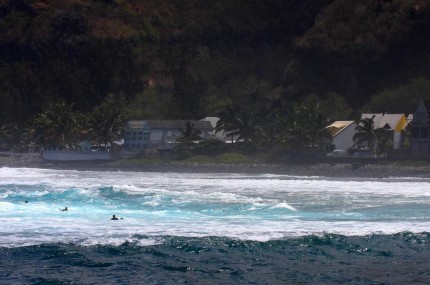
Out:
{"x": 256, "y": 207}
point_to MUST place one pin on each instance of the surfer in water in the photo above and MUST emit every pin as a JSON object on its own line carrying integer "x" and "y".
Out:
{"x": 63, "y": 210}
{"x": 115, "y": 218}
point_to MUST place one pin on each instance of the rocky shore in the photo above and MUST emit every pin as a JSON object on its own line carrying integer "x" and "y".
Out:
{"x": 376, "y": 170}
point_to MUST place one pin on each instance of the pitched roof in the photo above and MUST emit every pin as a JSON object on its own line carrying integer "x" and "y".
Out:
{"x": 410, "y": 118}
{"x": 338, "y": 126}
{"x": 390, "y": 120}
{"x": 134, "y": 125}
{"x": 212, "y": 120}
{"x": 426, "y": 103}
{"x": 376, "y": 119}
{"x": 387, "y": 121}
{"x": 422, "y": 113}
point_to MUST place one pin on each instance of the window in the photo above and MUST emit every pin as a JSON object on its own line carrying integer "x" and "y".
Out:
{"x": 424, "y": 132}
{"x": 415, "y": 132}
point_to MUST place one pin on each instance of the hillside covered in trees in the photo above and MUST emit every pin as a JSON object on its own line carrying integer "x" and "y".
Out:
{"x": 186, "y": 59}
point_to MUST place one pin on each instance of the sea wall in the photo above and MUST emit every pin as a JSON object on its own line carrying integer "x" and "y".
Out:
{"x": 75, "y": 155}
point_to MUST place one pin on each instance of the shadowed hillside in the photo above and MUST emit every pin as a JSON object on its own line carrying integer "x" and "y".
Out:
{"x": 189, "y": 59}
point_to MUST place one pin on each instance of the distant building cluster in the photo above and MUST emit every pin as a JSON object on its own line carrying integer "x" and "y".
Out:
{"x": 409, "y": 133}
{"x": 342, "y": 132}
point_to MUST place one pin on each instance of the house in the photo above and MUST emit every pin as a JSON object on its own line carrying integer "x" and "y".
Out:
{"x": 377, "y": 118}
{"x": 213, "y": 121}
{"x": 134, "y": 138}
{"x": 341, "y": 133}
{"x": 420, "y": 141}
{"x": 219, "y": 135}
{"x": 159, "y": 134}
{"x": 396, "y": 123}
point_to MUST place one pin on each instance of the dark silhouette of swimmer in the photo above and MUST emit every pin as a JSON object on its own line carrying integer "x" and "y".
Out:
{"x": 65, "y": 209}
{"x": 26, "y": 201}
{"x": 114, "y": 217}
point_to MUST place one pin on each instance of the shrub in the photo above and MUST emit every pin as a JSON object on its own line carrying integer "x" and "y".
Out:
{"x": 278, "y": 154}
{"x": 199, "y": 159}
{"x": 211, "y": 147}
{"x": 231, "y": 158}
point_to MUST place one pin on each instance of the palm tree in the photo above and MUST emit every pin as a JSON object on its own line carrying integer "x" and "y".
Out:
{"x": 384, "y": 141}
{"x": 241, "y": 126}
{"x": 226, "y": 123}
{"x": 83, "y": 130}
{"x": 107, "y": 125}
{"x": 55, "y": 126}
{"x": 189, "y": 133}
{"x": 243, "y": 121}
{"x": 35, "y": 132}
{"x": 62, "y": 122}
{"x": 316, "y": 120}
{"x": 319, "y": 129}
{"x": 306, "y": 124}
{"x": 7, "y": 132}
{"x": 365, "y": 133}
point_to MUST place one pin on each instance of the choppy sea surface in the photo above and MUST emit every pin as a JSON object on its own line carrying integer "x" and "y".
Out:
{"x": 211, "y": 228}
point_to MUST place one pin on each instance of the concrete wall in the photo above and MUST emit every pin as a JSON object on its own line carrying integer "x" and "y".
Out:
{"x": 76, "y": 155}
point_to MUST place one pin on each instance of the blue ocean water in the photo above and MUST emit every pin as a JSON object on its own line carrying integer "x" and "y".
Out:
{"x": 211, "y": 229}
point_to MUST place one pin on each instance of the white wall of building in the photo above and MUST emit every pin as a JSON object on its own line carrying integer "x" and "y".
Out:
{"x": 397, "y": 139}
{"x": 343, "y": 140}
{"x": 156, "y": 136}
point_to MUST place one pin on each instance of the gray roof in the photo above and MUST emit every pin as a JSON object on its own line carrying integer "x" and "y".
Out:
{"x": 179, "y": 124}
{"x": 392, "y": 120}
{"x": 212, "y": 120}
{"x": 377, "y": 118}
{"x": 134, "y": 125}
{"x": 389, "y": 121}
{"x": 168, "y": 124}
{"x": 426, "y": 103}
{"x": 422, "y": 113}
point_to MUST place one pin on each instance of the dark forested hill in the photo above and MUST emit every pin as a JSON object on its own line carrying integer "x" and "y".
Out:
{"x": 358, "y": 48}
{"x": 191, "y": 58}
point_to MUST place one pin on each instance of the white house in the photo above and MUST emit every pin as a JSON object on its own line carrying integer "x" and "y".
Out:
{"x": 420, "y": 139}
{"x": 219, "y": 135}
{"x": 341, "y": 133}
{"x": 392, "y": 122}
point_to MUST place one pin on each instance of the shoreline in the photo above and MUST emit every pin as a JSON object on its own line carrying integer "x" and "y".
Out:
{"x": 324, "y": 169}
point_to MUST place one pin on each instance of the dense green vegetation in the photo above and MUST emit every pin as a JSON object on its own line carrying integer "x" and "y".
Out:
{"x": 262, "y": 66}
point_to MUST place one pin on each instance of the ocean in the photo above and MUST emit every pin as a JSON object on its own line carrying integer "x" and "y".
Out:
{"x": 189, "y": 228}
